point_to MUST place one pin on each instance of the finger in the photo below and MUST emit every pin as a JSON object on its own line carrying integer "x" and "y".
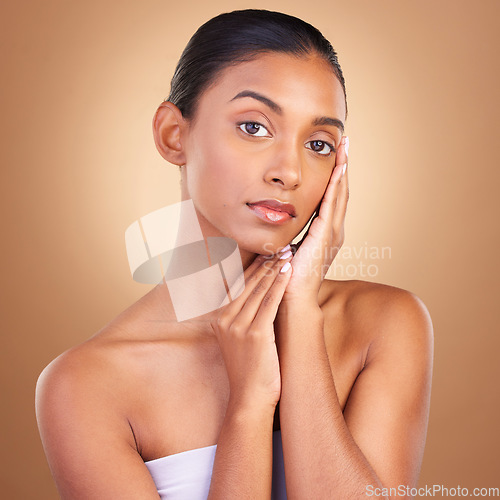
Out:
{"x": 342, "y": 156}
{"x": 271, "y": 301}
{"x": 343, "y": 194}
{"x": 329, "y": 201}
{"x": 253, "y": 275}
{"x": 342, "y": 199}
{"x": 261, "y": 264}
{"x": 332, "y": 192}
{"x": 254, "y": 302}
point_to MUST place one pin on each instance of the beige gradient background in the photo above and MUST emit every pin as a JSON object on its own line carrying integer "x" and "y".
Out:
{"x": 80, "y": 83}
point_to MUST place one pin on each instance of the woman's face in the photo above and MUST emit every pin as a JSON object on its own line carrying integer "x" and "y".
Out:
{"x": 262, "y": 147}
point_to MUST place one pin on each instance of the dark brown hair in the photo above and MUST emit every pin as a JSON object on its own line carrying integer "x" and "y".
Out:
{"x": 240, "y": 36}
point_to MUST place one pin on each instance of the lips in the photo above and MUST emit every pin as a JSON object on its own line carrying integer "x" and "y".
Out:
{"x": 274, "y": 211}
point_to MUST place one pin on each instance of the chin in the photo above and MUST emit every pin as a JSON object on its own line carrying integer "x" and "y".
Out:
{"x": 263, "y": 246}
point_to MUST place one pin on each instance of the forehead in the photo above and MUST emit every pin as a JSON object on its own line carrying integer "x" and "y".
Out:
{"x": 299, "y": 84}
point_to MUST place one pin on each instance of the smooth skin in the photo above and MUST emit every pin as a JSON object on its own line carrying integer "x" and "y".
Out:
{"x": 350, "y": 362}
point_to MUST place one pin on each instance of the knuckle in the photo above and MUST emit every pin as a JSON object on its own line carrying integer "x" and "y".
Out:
{"x": 236, "y": 330}
{"x": 259, "y": 288}
{"x": 267, "y": 300}
{"x": 254, "y": 333}
{"x": 268, "y": 267}
{"x": 253, "y": 277}
{"x": 221, "y": 322}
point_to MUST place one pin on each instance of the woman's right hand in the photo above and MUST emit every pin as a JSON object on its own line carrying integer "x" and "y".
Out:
{"x": 245, "y": 332}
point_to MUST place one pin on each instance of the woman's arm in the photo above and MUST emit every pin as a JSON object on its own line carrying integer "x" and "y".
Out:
{"x": 245, "y": 331}
{"x": 88, "y": 441}
{"x": 243, "y": 461}
{"x": 379, "y": 439}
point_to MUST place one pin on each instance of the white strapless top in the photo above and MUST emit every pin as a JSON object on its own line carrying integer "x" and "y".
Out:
{"x": 187, "y": 475}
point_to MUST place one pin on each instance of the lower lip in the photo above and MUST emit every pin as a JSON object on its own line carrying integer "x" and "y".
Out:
{"x": 270, "y": 215}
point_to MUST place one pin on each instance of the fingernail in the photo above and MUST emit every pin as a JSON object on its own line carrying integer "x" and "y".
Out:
{"x": 286, "y": 255}
{"x": 346, "y": 145}
{"x": 344, "y": 168}
{"x": 286, "y": 267}
{"x": 285, "y": 249}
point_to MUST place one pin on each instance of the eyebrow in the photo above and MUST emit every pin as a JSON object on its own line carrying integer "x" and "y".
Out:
{"x": 323, "y": 120}
{"x": 326, "y": 120}
{"x": 255, "y": 95}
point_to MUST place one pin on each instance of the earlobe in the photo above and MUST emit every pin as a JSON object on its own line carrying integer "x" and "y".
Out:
{"x": 168, "y": 128}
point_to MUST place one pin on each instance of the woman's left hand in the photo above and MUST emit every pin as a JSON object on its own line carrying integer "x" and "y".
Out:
{"x": 325, "y": 236}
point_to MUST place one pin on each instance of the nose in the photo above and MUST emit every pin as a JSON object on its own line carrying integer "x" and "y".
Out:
{"x": 285, "y": 169}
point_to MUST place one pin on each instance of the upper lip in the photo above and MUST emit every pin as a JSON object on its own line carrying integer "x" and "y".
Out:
{"x": 277, "y": 205}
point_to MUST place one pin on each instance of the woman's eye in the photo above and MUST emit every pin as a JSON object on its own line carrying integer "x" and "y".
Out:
{"x": 320, "y": 147}
{"x": 255, "y": 129}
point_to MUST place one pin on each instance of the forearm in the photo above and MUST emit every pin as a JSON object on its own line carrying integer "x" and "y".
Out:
{"x": 243, "y": 461}
{"x": 245, "y": 333}
{"x": 321, "y": 458}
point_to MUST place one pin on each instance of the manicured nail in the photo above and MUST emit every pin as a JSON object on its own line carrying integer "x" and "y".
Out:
{"x": 285, "y": 249}
{"x": 344, "y": 168}
{"x": 346, "y": 145}
{"x": 286, "y": 267}
{"x": 286, "y": 255}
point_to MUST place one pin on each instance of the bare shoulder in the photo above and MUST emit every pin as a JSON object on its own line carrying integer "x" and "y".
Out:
{"x": 107, "y": 365}
{"x": 387, "y": 332}
{"x": 104, "y": 371}
{"x": 84, "y": 367}
{"x": 84, "y": 402}
{"x": 376, "y": 307}
{"x": 130, "y": 384}
{"x": 84, "y": 384}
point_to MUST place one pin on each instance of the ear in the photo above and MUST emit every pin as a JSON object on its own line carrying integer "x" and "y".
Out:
{"x": 168, "y": 129}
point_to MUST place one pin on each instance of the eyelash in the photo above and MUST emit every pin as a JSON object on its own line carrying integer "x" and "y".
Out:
{"x": 325, "y": 143}
{"x": 242, "y": 127}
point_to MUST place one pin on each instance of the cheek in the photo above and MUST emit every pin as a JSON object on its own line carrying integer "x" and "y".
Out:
{"x": 318, "y": 188}
{"x": 213, "y": 172}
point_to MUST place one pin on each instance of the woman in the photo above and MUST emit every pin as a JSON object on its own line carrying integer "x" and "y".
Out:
{"x": 255, "y": 120}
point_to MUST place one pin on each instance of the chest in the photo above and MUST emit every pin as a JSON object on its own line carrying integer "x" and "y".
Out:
{"x": 183, "y": 403}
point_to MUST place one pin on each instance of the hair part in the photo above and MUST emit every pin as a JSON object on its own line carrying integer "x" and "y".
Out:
{"x": 240, "y": 36}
